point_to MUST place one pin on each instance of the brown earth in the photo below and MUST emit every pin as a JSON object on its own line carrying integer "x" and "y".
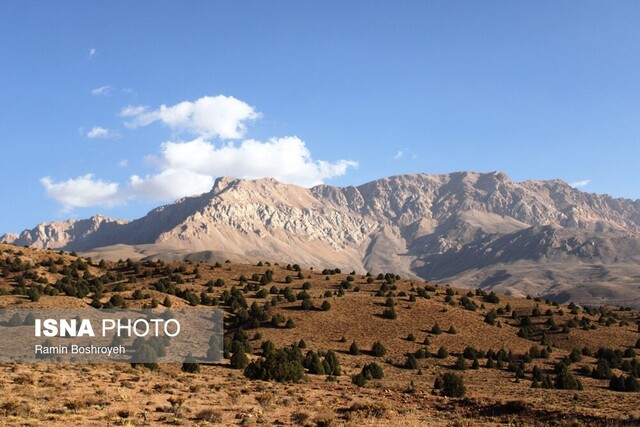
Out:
{"x": 110, "y": 394}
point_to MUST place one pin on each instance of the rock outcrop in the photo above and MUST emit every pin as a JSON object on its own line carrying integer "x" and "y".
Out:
{"x": 437, "y": 227}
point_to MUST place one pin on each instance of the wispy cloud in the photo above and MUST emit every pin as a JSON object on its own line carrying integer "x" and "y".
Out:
{"x": 102, "y": 90}
{"x": 133, "y": 111}
{"x": 580, "y": 184}
{"x": 123, "y": 163}
{"x": 399, "y": 155}
{"x": 101, "y": 133}
{"x": 92, "y": 52}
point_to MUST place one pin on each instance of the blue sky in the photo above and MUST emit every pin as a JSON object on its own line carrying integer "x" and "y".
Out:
{"x": 334, "y": 92}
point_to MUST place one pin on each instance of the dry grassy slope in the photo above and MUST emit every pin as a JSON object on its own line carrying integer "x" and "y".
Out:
{"x": 99, "y": 395}
{"x": 590, "y": 284}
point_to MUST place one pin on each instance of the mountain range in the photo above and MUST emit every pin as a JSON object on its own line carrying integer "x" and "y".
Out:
{"x": 541, "y": 238}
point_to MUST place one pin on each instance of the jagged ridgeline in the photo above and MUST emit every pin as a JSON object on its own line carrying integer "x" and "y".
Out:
{"x": 543, "y": 238}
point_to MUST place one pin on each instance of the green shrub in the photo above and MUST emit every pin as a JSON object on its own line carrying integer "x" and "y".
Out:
{"x": 146, "y": 355}
{"x": 491, "y": 317}
{"x": 307, "y": 304}
{"x": 470, "y": 353}
{"x": 576, "y": 356}
{"x": 29, "y": 319}
{"x": 461, "y": 364}
{"x": 369, "y": 372}
{"x": 602, "y": 370}
{"x": 422, "y": 353}
{"x": 389, "y": 313}
{"x": 373, "y": 371}
{"x": 15, "y": 320}
{"x": 331, "y": 364}
{"x": 492, "y": 298}
{"x": 565, "y": 380}
{"x": 411, "y": 362}
{"x": 239, "y": 359}
{"x": 34, "y": 294}
{"x": 313, "y": 363}
{"x": 283, "y": 365}
{"x": 359, "y": 380}
{"x": 628, "y": 384}
{"x": 353, "y": 349}
{"x": 267, "y": 347}
{"x": 443, "y": 353}
{"x": 116, "y": 300}
{"x": 378, "y": 350}
{"x": 453, "y": 385}
{"x": 190, "y": 365}
{"x": 438, "y": 384}
{"x": 277, "y": 320}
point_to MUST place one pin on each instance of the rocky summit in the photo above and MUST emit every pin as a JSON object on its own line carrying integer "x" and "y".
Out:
{"x": 542, "y": 238}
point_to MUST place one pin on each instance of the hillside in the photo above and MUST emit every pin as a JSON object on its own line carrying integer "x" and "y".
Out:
{"x": 502, "y": 339}
{"x": 473, "y": 229}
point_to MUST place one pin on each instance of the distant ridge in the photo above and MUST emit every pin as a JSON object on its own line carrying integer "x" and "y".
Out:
{"x": 479, "y": 229}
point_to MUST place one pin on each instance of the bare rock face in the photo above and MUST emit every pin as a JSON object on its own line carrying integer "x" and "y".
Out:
{"x": 436, "y": 227}
{"x": 60, "y": 234}
{"x": 8, "y": 238}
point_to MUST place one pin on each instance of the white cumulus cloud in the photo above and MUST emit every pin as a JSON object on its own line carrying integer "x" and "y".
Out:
{"x": 184, "y": 168}
{"x": 83, "y": 191}
{"x": 100, "y": 132}
{"x": 188, "y": 168}
{"x": 219, "y": 116}
{"x": 286, "y": 159}
{"x": 169, "y": 184}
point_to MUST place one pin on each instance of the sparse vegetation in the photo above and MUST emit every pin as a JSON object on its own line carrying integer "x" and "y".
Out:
{"x": 281, "y": 365}
{"x": 563, "y": 350}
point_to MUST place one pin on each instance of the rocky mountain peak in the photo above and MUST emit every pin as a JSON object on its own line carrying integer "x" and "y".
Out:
{"x": 431, "y": 226}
